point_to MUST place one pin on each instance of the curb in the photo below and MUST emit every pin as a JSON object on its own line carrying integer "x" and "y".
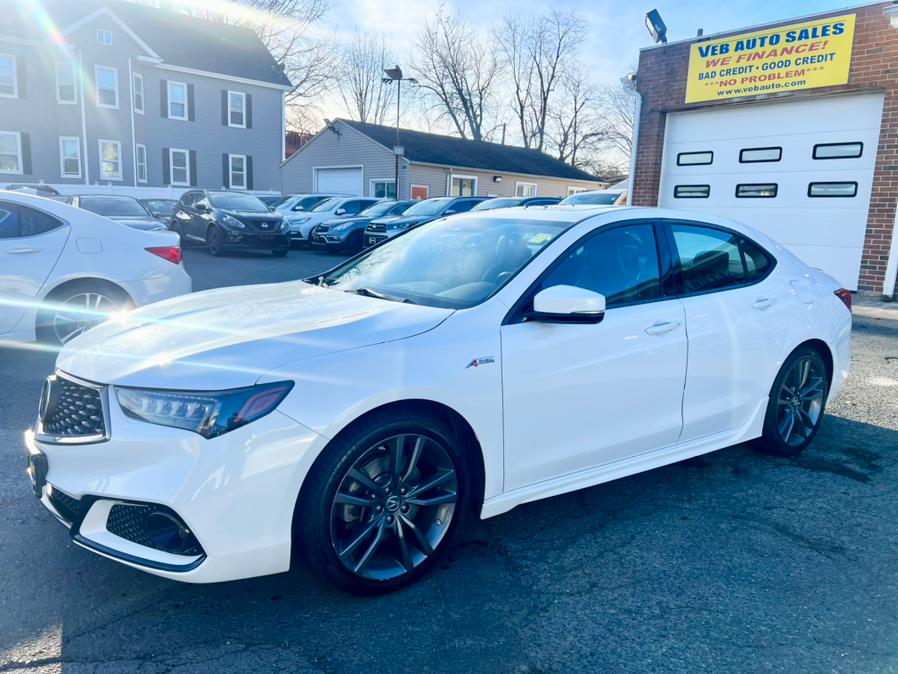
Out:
{"x": 875, "y": 312}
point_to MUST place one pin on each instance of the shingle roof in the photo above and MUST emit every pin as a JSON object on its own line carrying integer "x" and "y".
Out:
{"x": 431, "y": 148}
{"x": 180, "y": 39}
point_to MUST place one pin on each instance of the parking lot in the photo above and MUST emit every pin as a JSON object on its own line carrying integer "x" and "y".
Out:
{"x": 734, "y": 561}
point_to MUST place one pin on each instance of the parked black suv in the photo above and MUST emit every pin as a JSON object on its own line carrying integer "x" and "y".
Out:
{"x": 424, "y": 211}
{"x": 229, "y": 220}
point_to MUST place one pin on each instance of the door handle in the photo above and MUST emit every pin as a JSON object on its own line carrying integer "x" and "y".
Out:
{"x": 661, "y": 328}
{"x": 763, "y": 303}
{"x": 24, "y": 250}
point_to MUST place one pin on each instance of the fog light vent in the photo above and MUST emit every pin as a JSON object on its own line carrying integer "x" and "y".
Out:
{"x": 153, "y": 526}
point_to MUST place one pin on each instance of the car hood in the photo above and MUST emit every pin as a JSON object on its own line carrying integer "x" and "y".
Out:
{"x": 407, "y": 220}
{"x": 230, "y": 337}
{"x": 145, "y": 224}
{"x": 255, "y": 216}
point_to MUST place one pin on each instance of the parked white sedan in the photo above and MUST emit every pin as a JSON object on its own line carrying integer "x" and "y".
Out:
{"x": 64, "y": 269}
{"x": 477, "y": 362}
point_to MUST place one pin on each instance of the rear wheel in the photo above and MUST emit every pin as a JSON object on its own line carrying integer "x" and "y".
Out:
{"x": 77, "y": 308}
{"x": 382, "y": 503}
{"x": 796, "y": 405}
{"x": 213, "y": 241}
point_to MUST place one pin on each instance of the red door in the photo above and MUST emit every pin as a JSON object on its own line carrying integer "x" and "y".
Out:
{"x": 420, "y": 192}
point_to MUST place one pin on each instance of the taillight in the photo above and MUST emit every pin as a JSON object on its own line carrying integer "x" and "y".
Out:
{"x": 170, "y": 253}
{"x": 845, "y": 296}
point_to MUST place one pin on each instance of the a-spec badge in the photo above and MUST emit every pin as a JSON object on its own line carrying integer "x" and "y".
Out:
{"x": 477, "y": 362}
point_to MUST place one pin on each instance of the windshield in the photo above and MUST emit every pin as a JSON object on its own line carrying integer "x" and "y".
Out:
{"x": 327, "y": 204}
{"x": 490, "y": 204}
{"x": 453, "y": 263}
{"x": 586, "y": 198}
{"x": 160, "y": 205}
{"x": 237, "y": 202}
{"x": 379, "y": 208}
{"x": 428, "y": 206}
{"x": 114, "y": 207}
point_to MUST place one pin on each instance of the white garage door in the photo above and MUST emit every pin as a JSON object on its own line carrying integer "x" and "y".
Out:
{"x": 339, "y": 180}
{"x": 799, "y": 171}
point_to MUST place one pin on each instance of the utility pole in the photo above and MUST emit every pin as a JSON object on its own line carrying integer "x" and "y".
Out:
{"x": 394, "y": 74}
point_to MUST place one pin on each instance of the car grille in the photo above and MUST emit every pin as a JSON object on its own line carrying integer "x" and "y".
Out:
{"x": 377, "y": 227}
{"x": 133, "y": 523}
{"x": 264, "y": 226}
{"x": 71, "y": 410}
{"x": 69, "y": 508}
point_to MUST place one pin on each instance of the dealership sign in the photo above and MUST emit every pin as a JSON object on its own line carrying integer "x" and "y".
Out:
{"x": 777, "y": 60}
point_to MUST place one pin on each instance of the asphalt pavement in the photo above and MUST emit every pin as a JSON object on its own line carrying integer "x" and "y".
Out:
{"x": 733, "y": 561}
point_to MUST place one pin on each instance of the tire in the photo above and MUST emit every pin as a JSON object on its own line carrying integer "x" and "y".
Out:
{"x": 213, "y": 241}
{"x": 796, "y": 405}
{"x": 367, "y": 519}
{"x": 56, "y": 325}
{"x": 280, "y": 253}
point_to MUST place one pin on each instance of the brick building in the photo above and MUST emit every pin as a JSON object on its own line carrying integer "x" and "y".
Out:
{"x": 757, "y": 156}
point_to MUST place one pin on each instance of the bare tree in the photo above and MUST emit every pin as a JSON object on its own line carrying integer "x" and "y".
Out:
{"x": 360, "y": 76}
{"x": 537, "y": 56}
{"x": 618, "y": 109}
{"x": 458, "y": 72}
{"x": 575, "y": 129}
{"x": 288, "y": 29}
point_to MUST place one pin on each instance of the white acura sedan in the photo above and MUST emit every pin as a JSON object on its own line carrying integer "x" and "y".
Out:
{"x": 474, "y": 363}
{"x": 64, "y": 269}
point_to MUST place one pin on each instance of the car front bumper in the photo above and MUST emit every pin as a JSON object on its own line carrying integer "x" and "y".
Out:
{"x": 241, "y": 239}
{"x": 235, "y": 493}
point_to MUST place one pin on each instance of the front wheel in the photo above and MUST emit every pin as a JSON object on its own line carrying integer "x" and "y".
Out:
{"x": 796, "y": 405}
{"x": 76, "y": 309}
{"x": 382, "y": 503}
{"x": 213, "y": 241}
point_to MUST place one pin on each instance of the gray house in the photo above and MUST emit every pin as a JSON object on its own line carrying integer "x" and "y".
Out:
{"x": 358, "y": 158}
{"x": 118, "y": 93}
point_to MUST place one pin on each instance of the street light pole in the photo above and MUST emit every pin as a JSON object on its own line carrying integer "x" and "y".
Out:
{"x": 394, "y": 74}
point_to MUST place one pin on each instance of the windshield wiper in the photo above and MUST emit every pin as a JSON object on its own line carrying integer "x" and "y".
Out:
{"x": 367, "y": 292}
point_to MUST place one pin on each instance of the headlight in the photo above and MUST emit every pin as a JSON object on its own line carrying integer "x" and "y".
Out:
{"x": 297, "y": 221}
{"x": 231, "y": 221}
{"x": 209, "y": 413}
{"x": 397, "y": 225}
{"x": 340, "y": 227}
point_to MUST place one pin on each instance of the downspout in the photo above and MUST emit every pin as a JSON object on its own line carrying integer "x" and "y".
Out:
{"x": 888, "y": 286}
{"x": 133, "y": 134}
{"x": 83, "y": 120}
{"x": 630, "y": 82}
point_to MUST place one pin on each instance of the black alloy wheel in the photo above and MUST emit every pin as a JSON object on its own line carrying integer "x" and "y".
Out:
{"x": 213, "y": 241}
{"x": 796, "y": 405}
{"x": 388, "y": 499}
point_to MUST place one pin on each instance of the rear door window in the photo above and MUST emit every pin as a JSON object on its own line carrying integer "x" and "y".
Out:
{"x": 21, "y": 221}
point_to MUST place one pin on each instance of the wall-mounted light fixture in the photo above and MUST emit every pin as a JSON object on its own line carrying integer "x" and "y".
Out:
{"x": 892, "y": 12}
{"x": 497, "y": 179}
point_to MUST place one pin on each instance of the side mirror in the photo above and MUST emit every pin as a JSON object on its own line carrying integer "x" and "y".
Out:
{"x": 450, "y": 211}
{"x": 202, "y": 208}
{"x": 340, "y": 211}
{"x": 567, "y": 304}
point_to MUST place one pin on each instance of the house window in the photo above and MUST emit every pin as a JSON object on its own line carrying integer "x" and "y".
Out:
{"x": 107, "y": 86}
{"x": 70, "y": 156}
{"x": 104, "y": 37}
{"x": 463, "y": 186}
{"x": 9, "y": 83}
{"x": 10, "y": 152}
{"x": 237, "y": 109}
{"x": 177, "y": 100}
{"x": 66, "y": 92}
{"x": 138, "y": 93}
{"x": 525, "y": 189}
{"x": 575, "y": 190}
{"x": 383, "y": 189}
{"x": 836, "y": 150}
{"x": 179, "y": 166}
{"x": 237, "y": 171}
{"x": 756, "y": 155}
{"x": 140, "y": 153}
{"x": 692, "y": 191}
{"x": 695, "y": 158}
{"x": 110, "y": 160}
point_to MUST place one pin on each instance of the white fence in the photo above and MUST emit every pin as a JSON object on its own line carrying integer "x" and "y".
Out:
{"x": 139, "y": 192}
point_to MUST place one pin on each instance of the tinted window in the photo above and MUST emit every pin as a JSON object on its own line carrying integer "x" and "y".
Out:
{"x": 463, "y": 205}
{"x": 621, "y": 263}
{"x": 112, "y": 207}
{"x": 188, "y": 198}
{"x": 757, "y": 261}
{"x": 16, "y": 221}
{"x": 709, "y": 258}
{"x": 238, "y": 202}
{"x": 353, "y": 207}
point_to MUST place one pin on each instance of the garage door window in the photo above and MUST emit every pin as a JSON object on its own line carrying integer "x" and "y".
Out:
{"x": 692, "y": 191}
{"x": 756, "y": 190}
{"x": 838, "y": 150}
{"x": 757, "y": 155}
{"x": 695, "y": 158}
{"x": 844, "y": 190}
